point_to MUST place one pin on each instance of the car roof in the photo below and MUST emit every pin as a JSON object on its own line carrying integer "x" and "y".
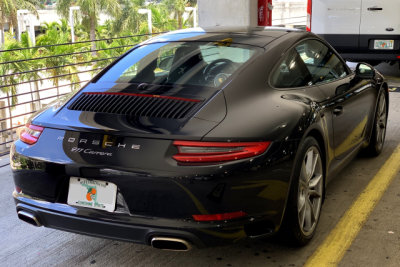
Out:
{"x": 257, "y": 36}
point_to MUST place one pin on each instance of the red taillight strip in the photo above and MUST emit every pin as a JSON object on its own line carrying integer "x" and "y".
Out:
{"x": 30, "y": 134}
{"x": 219, "y": 217}
{"x": 234, "y": 151}
{"x": 145, "y": 95}
{"x": 35, "y": 128}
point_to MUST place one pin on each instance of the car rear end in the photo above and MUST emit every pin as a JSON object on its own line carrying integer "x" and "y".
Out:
{"x": 125, "y": 158}
{"x": 360, "y": 30}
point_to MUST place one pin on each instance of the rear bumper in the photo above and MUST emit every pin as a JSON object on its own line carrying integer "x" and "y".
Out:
{"x": 117, "y": 230}
{"x": 150, "y": 205}
{"x": 134, "y": 229}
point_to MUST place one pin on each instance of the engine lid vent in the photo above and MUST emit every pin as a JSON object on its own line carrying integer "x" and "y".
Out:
{"x": 136, "y": 105}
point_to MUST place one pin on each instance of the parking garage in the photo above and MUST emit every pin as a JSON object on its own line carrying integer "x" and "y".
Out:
{"x": 358, "y": 224}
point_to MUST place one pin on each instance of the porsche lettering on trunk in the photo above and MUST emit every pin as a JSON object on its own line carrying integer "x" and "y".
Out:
{"x": 97, "y": 142}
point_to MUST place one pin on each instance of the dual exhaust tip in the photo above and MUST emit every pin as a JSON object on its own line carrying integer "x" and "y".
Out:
{"x": 170, "y": 243}
{"x": 29, "y": 218}
{"x": 165, "y": 243}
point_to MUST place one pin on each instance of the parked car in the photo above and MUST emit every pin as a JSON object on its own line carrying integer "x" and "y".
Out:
{"x": 360, "y": 30}
{"x": 200, "y": 138}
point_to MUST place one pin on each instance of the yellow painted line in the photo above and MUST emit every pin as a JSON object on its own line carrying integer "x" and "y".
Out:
{"x": 332, "y": 250}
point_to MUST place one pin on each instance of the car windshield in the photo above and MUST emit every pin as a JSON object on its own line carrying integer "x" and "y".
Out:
{"x": 181, "y": 63}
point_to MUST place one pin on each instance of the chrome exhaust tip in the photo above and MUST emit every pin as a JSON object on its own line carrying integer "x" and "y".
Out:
{"x": 28, "y": 217}
{"x": 170, "y": 243}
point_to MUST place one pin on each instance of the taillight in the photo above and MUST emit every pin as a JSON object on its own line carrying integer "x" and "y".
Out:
{"x": 214, "y": 152}
{"x": 309, "y": 13}
{"x": 219, "y": 217}
{"x": 30, "y": 134}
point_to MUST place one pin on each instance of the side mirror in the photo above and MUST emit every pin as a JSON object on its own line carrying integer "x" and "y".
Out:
{"x": 365, "y": 71}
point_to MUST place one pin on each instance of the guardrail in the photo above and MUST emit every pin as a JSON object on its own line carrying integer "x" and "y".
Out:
{"x": 24, "y": 92}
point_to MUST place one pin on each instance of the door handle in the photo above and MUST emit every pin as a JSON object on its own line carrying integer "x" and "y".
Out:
{"x": 375, "y": 9}
{"x": 338, "y": 110}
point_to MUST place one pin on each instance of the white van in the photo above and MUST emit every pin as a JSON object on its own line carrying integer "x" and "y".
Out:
{"x": 360, "y": 30}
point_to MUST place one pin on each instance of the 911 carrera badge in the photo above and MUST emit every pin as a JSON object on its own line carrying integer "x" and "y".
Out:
{"x": 90, "y": 151}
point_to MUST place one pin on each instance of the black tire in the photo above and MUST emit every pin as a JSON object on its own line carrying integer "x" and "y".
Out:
{"x": 377, "y": 138}
{"x": 305, "y": 199}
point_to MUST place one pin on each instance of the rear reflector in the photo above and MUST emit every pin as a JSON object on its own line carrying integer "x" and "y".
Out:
{"x": 212, "y": 152}
{"x": 309, "y": 15}
{"x": 219, "y": 217}
{"x": 30, "y": 134}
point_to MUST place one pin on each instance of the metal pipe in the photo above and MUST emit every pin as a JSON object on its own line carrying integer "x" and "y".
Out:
{"x": 69, "y": 54}
{"x": 82, "y": 42}
{"x": 29, "y": 218}
{"x": 170, "y": 243}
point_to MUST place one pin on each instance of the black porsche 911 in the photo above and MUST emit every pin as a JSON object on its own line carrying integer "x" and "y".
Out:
{"x": 200, "y": 138}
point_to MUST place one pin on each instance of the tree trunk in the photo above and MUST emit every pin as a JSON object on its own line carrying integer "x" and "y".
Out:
{"x": 36, "y": 105}
{"x": 180, "y": 26}
{"x": 93, "y": 33}
{"x": 15, "y": 29}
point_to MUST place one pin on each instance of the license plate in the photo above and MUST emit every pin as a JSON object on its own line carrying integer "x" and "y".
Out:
{"x": 384, "y": 44}
{"x": 92, "y": 194}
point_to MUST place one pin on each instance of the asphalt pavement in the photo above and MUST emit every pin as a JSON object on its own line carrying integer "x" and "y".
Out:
{"x": 377, "y": 244}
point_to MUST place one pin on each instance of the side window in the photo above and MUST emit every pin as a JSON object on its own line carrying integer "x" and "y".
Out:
{"x": 292, "y": 72}
{"x": 311, "y": 62}
{"x": 321, "y": 62}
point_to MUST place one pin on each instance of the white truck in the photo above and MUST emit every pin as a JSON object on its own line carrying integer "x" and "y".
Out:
{"x": 360, "y": 30}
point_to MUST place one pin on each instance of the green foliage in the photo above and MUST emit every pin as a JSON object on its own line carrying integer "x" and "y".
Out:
{"x": 90, "y": 10}
{"x": 130, "y": 20}
{"x": 177, "y": 8}
{"x": 167, "y": 15}
{"x": 15, "y": 56}
{"x": 56, "y": 33}
{"x": 8, "y": 10}
{"x": 162, "y": 20}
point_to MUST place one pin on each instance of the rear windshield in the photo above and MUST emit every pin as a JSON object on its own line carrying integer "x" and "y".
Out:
{"x": 181, "y": 63}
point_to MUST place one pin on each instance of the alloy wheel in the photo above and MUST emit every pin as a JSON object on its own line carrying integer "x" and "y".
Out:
{"x": 310, "y": 191}
{"x": 381, "y": 120}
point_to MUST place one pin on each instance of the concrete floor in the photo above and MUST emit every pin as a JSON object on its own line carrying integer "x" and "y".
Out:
{"x": 378, "y": 243}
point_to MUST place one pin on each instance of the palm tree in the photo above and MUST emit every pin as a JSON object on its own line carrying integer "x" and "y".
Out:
{"x": 178, "y": 8}
{"x": 56, "y": 33}
{"x": 17, "y": 71}
{"x": 130, "y": 19}
{"x": 161, "y": 19}
{"x": 28, "y": 66}
{"x": 8, "y": 12}
{"x": 90, "y": 10}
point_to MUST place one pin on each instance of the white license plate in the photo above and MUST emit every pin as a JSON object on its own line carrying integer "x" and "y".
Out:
{"x": 384, "y": 44}
{"x": 92, "y": 194}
